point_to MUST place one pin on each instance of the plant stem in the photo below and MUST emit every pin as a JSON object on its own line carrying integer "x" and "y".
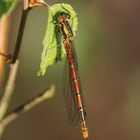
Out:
{"x": 4, "y": 102}
{"x": 27, "y": 5}
{"x": 13, "y": 68}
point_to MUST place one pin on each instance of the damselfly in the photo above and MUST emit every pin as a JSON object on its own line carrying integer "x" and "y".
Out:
{"x": 67, "y": 36}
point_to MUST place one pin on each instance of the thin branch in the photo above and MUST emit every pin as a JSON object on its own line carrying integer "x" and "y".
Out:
{"x": 4, "y": 103}
{"x": 49, "y": 93}
{"x": 27, "y": 6}
{"x": 9, "y": 89}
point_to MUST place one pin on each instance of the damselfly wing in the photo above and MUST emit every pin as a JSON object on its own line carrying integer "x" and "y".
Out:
{"x": 72, "y": 111}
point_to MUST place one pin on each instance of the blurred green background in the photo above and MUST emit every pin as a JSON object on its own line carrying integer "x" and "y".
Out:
{"x": 108, "y": 48}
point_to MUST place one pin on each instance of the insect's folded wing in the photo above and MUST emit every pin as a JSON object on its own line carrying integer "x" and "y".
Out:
{"x": 70, "y": 98}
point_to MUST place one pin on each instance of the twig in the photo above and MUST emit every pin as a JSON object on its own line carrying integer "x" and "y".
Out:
{"x": 4, "y": 103}
{"x": 27, "y": 6}
{"x": 9, "y": 89}
{"x": 26, "y": 107}
{"x": 13, "y": 71}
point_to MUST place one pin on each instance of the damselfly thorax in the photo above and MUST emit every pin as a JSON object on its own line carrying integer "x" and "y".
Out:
{"x": 64, "y": 28}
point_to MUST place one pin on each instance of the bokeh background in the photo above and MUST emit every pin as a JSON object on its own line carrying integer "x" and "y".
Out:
{"x": 108, "y": 49}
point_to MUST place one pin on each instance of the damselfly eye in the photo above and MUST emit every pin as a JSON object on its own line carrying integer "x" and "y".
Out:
{"x": 60, "y": 19}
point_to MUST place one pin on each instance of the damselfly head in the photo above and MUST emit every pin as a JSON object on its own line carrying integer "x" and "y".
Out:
{"x": 63, "y": 17}
{"x": 60, "y": 19}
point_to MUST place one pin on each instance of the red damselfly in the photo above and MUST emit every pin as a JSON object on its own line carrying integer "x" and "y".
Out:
{"x": 68, "y": 41}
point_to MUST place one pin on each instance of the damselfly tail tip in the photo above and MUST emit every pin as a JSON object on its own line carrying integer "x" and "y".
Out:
{"x": 85, "y": 132}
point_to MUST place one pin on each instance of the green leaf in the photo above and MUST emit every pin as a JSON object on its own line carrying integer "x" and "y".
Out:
{"x": 53, "y": 50}
{"x": 6, "y": 6}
